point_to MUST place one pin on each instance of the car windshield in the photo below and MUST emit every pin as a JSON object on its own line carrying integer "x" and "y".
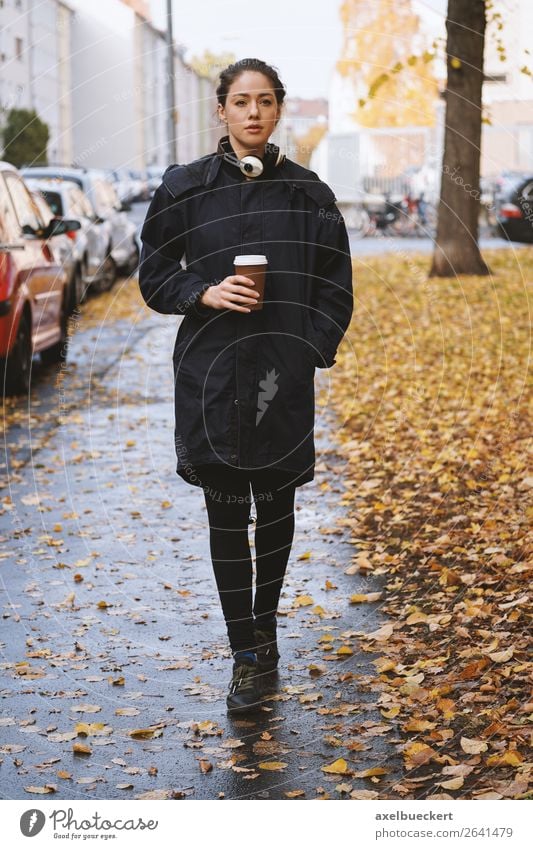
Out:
{"x": 54, "y": 201}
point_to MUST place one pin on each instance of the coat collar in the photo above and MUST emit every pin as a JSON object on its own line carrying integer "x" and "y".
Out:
{"x": 202, "y": 172}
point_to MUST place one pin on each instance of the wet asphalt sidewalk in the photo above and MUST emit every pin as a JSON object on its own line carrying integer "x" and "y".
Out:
{"x": 115, "y": 663}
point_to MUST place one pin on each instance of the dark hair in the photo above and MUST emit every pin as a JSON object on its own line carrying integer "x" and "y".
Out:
{"x": 232, "y": 72}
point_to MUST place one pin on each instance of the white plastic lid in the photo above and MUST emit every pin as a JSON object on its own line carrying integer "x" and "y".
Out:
{"x": 250, "y": 259}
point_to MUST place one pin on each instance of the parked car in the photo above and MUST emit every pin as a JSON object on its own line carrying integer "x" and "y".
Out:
{"x": 62, "y": 248}
{"x": 123, "y": 248}
{"x": 33, "y": 284}
{"x": 131, "y": 185}
{"x": 513, "y": 207}
{"x": 155, "y": 174}
{"x": 94, "y": 266}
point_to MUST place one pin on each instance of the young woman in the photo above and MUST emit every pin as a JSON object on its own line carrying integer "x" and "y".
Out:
{"x": 244, "y": 379}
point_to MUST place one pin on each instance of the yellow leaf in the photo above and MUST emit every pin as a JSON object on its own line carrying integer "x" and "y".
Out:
{"x": 273, "y": 766}
{"x": 344, "y": 650}
{"x": 303, "y": 601}
{"x": 417, "y": 754}
{"x": 509, "y": 758}
{"x": 416, "y": 617}
{"x": 305, "y": 556}
{"x": 338, "y": 767}
{"x": 81, "y": 749}
{"x": 145, "y": 733}
{"x": 102, "y": 605}
{"x": 391, "y": 713}
{"x": 293, "y": 794}
{"x": 446, "y": 707}
{"x": 368, "y": 773}
{"x": 85, "y": 729}
{"x": 383, "y": 664}
{"x": 362, "y": 598}
{"x": 418, "y": 725}
{"x": 315, "y": 670}
{"x": 205, "y": 766}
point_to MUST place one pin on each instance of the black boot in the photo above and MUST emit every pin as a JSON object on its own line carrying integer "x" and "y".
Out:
{"x": 244, "y": 691}
{"x": 266, "y": 648}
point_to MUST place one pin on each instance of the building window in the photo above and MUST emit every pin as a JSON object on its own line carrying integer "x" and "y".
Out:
{"x": 18, "y": 48}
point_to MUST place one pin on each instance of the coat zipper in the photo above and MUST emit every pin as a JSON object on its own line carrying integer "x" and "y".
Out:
{"x": 237, "y": 403}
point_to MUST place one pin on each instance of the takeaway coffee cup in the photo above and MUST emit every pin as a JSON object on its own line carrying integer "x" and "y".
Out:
{"x": 253, "y": 266}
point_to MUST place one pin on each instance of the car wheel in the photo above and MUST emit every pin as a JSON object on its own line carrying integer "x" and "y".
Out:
{"x": 75, "y": 290}
{"x": 109, "y": 274}
{"x": 135, "y": 258}
{"x": 18, "y": 363}
{"x": 58, "y": 353}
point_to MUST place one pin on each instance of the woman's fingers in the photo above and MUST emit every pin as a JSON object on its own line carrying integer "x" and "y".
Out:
{"x": 234, "y": 290}
{"x": 241, "y": 294}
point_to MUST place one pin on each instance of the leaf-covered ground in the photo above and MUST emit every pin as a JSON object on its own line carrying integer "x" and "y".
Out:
{"x": 115, "y": 664}
{"x": 433, "y": 390}
{"x": 403, "y": 621}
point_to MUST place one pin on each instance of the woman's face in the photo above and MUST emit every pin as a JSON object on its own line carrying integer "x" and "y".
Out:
{"x": 251, "y": 111}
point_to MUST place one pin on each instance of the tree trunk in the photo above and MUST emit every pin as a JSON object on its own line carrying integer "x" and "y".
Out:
{"x": 457, "y": 249}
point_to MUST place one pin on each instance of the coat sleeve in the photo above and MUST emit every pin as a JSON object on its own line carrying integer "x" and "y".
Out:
{"x": 166, "y": 286}
{"x": 332, "y": 296}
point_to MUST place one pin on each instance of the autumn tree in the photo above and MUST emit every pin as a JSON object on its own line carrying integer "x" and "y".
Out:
{"x": 457, "y": 249}
{"x": 211, "y": 64}
{"x": 388, "y": 66}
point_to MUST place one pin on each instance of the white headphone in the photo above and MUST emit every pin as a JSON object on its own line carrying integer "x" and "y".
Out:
{"x": 250, "y": 165}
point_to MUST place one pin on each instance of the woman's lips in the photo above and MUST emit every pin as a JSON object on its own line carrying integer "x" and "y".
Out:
{"x": 253, "y": 129}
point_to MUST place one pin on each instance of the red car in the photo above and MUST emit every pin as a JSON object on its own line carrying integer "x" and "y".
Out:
{"x": 33, "y": 284}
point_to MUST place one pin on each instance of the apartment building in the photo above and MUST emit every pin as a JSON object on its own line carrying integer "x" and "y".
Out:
{"x": 97, "y": 74}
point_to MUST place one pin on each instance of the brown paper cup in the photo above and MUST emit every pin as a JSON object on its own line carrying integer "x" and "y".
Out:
{"x": 255, "y": 267}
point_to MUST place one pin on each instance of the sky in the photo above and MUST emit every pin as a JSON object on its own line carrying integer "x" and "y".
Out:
{"x": 302, "y": 38}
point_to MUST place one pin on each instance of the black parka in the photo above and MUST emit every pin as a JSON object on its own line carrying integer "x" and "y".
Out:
{"x": 244, "y": 382}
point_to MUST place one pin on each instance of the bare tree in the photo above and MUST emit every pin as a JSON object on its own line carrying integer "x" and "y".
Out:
{"x": 456, "y": 248}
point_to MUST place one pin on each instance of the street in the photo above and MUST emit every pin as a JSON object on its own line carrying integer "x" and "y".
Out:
{"x": 111, "y": 616}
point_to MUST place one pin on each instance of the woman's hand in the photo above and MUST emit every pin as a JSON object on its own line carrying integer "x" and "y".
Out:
{"x": 232, "y": 293}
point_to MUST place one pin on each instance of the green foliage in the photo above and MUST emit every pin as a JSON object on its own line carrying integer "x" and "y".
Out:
{"x": 25, "y": 138}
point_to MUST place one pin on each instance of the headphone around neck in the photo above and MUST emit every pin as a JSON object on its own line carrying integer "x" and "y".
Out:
{"x": 251, "y": 166}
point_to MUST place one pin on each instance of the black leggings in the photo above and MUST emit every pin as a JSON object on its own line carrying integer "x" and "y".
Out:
{"x": 228, "y": 502}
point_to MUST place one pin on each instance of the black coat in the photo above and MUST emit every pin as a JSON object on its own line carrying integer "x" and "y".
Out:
{"x": 244, "y": 382}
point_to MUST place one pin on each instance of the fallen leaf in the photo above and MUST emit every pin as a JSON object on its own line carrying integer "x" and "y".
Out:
{"x": 338, "y": 767}
{"x": 47, "y": 788}
{"x": 473, "y": 747}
